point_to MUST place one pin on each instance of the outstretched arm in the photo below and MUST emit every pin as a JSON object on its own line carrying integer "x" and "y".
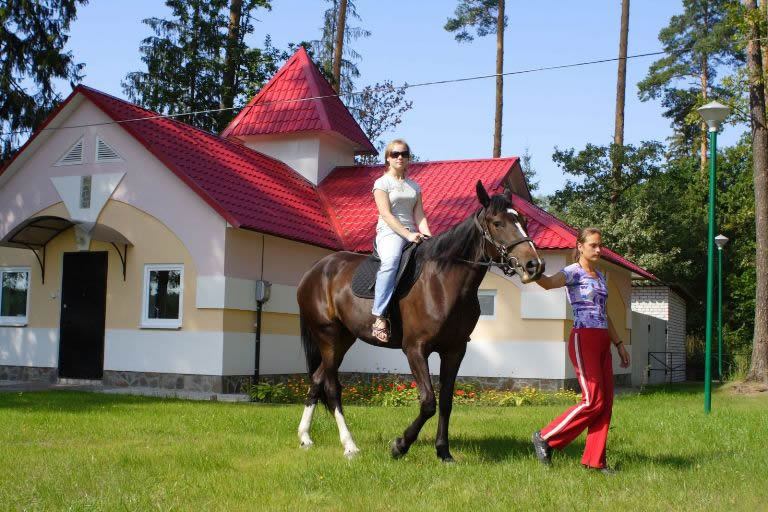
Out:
{"x": 553, "y": 281}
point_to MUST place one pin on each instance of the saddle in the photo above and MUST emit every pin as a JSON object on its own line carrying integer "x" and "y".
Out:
{"x": 364, "y": 280}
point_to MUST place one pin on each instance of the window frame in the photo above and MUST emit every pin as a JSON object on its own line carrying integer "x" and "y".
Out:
{"x": 16, "y": 321}
{"x": 161, "y": 323}
{"x": 488, "y": 293}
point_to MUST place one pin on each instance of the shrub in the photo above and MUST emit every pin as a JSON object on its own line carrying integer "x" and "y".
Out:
{"x": 395, "y": 392}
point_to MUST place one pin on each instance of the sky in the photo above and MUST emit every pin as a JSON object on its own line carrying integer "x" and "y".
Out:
{"x": 545, "y": 110}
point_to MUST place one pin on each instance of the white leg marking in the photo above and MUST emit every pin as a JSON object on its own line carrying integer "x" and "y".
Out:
{"x": 350, "y": 448}
{"x": 304, "y": 426}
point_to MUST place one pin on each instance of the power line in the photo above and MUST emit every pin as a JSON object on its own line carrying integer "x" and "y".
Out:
{"x": 356, "y": 93}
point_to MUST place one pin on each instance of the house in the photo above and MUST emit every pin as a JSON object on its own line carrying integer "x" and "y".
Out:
{"x": 131, "y": 245}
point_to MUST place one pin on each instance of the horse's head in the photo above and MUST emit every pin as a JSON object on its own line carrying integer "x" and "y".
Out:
{"x": 506, "y": 230}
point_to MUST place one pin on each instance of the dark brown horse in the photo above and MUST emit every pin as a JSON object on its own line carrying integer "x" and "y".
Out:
{"x": 437, "y": 314}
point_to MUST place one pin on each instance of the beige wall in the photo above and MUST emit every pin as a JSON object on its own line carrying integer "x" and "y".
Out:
{"x": 285, "y": 261}
{"x": 153, "y": 243}
{"x": 508, "y": 324}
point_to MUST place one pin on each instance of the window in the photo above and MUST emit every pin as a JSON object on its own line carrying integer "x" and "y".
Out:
{"x": 487, "y": 300}
{"x": 163, "y": 299}
{"x": 14, "y": 299}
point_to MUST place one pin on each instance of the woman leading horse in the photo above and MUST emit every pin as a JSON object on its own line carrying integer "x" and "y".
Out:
{"x": 437, "y": 314}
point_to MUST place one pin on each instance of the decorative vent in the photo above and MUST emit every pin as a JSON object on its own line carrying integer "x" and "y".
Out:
{"x": 73, "y": 156}
{"x": 105, "y": 153}
{"x": 85, "y": 192}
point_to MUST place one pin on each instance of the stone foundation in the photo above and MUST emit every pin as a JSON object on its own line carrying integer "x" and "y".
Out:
{"x": 203, "y": 383}
{"x": 29, "y": 373}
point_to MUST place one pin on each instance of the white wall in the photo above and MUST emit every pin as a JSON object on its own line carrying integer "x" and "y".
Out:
{"x": 23, "y": 346}
{"x": 158, "y": 351}
{"x": 313, "y": 155}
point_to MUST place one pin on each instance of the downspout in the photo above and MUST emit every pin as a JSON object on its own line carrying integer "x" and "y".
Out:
{"x": 262, "y": 295}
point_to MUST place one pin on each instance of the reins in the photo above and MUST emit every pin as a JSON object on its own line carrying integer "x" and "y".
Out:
{"x": 503, "y": 264}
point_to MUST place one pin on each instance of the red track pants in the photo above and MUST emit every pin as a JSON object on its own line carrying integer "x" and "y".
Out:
{"x": 590, "y": 352}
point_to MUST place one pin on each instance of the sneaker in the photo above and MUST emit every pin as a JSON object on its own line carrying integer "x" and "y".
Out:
{"x": 542, "y": 450}
{"x": 607, "y": 471}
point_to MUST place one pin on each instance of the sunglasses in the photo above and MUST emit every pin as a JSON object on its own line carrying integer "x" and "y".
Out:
{"x": 404, "y": 154}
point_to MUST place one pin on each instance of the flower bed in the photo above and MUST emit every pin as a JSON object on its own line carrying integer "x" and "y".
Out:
{"x": 395, "y": 392}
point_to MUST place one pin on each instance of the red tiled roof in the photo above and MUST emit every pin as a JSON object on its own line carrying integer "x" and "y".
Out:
{"x": 449, "y": 198}
{"x": 449, "y": 194}
{"x": 249, "y": 189}
{"x": 272, "y": 111}
{"x": 549, "y": 232}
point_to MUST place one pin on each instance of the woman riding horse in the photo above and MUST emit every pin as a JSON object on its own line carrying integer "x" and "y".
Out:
{"x": 437, "y": 314}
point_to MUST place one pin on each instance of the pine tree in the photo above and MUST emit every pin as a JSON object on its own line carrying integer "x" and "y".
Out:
{"x": 486, "y": 17}
{"x": 697, "y": 42}
{"x": 32, "y": 56}
{"x": 198, "y": 61}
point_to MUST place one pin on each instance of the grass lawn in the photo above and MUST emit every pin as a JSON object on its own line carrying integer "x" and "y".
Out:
{"x": 89, "y": 451}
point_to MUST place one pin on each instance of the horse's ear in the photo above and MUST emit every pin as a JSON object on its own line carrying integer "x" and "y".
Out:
{"x": 482, "y": 195}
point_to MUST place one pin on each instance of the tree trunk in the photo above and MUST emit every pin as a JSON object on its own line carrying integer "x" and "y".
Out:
{"x": 764, "y": 44}
{"x": 499, "y": 81}
{"x": 758, "y": 370}
{"x": 704, "y": 128}
{"x": 621, "y": 88}
{"x": 339, "y": 46}
{"x": 231, "y": 61}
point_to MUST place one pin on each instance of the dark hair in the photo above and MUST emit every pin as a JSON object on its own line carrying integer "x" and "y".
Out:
{"x": 582, "y": 237}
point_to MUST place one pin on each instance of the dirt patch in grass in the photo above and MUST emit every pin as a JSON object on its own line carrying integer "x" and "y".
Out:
{"x": 746, "y": 388}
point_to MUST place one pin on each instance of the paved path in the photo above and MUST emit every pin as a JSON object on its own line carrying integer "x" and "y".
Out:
{"x": 96, "y": 387}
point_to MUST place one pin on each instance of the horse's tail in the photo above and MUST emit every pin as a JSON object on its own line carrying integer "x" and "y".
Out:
{"x": 312, "y": 356}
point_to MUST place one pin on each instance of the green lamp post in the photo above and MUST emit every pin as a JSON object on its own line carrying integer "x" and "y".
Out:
{"x": 713, "y": 114}
{"x": 720, "y": 240}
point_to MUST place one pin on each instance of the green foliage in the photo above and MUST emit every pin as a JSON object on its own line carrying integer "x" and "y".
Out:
{"x": 323, "y": 48}
{"x": 478, "y": 14}
{"x": 697, "y": 43}
{"x": 185, "y": 61}
{"x": 395, "y": 392}
{"x": 32, "y": 56}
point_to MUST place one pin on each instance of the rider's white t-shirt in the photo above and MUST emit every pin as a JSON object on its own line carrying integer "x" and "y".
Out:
{"x": 403, "y": 195}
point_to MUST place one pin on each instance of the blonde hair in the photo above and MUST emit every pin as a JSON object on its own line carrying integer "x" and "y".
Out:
{"x": 392, "y": 144}
{"x": 582, "y": 237}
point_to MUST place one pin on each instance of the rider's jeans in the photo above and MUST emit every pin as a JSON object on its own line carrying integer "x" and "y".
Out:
{"x": 390, "y": 248}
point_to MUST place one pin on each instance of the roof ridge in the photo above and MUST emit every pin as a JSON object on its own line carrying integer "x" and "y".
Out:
{"x": 424, "y": 162}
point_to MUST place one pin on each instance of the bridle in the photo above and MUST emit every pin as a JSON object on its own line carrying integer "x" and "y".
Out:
{"x": 507, "y": 263}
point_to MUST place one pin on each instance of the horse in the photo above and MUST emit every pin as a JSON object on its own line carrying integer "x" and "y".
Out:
{"x": 437, "y": 314}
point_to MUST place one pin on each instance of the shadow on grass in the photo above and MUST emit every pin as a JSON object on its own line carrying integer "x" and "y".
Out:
{"x": 494, "y": 448}
{"x": 498, "y": 449}
{"x": 70, "y": 401}
{"x": 687, "y": 388}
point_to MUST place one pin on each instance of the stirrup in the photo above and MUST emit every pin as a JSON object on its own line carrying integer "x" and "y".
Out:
{"x": 379, "y": 332}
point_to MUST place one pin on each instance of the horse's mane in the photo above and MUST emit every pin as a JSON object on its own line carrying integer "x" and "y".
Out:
{"x": 462, "y": 241}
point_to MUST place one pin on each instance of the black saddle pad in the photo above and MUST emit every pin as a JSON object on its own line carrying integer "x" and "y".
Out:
{"x": 364, "y": 280}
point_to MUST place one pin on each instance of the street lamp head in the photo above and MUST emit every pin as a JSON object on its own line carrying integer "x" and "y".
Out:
{"x": 714, "y": 114}
{"x": 721, "y": 240}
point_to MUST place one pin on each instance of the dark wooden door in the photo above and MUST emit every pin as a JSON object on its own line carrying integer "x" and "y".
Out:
{"x": 83, "y": 310}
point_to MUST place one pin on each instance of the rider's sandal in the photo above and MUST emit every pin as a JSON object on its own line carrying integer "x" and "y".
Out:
{"x": 380, "y": 330}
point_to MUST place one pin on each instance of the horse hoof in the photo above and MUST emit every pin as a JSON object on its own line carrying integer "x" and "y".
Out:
{"x": 351, "y": 453}
{"x": 306, "y": 445}
{"x": 448, "y": 460}
{"x": 397, "y": 452}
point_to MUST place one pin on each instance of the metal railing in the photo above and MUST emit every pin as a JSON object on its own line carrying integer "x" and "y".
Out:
{"x": 671, "y": 363}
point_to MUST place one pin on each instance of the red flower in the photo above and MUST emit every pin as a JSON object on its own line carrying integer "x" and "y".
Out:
{"x": 381, "y": 389}
{"x": 400, "y": 387}
{"x": 460, "y": 392}
{"x": 413, "y": 384}
{"x": 471, "y": 394}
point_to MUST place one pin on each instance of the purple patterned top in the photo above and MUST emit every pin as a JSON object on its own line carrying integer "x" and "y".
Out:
{"x": 587, "y": 296}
